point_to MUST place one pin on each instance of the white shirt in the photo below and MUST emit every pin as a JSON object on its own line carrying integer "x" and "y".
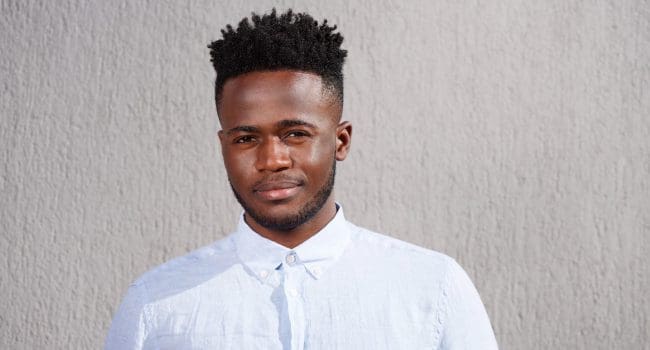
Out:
{"x": 344, "y": 288}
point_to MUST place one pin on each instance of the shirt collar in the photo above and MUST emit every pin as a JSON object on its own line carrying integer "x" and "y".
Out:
{"x": 261, "y": 256}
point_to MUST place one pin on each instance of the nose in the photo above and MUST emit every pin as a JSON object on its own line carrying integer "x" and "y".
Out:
{"x": 273, "y": 155}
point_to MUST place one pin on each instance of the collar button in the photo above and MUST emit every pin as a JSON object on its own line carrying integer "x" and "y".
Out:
{"x": 291, "y": 258}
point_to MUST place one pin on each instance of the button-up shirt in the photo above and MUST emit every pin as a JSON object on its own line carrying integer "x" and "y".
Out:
{"x": 343, "y": 288}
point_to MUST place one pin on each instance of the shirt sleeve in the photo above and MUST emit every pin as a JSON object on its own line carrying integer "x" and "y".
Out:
{"x": 129, "y": 329}
{"x": 466, "y": 325}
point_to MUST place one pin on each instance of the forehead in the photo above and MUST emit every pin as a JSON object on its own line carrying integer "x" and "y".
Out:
{"x": 260, "y": 96}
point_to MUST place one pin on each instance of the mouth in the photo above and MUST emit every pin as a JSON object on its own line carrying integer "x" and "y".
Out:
{"x": 277, "y": 190}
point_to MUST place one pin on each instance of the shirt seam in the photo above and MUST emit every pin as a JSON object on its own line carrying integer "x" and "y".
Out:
{"x": 147, "y": 316}
{"x": 444, "y": 306}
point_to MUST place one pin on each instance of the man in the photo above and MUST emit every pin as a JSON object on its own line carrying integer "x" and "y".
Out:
{"x": 295, "y": 274}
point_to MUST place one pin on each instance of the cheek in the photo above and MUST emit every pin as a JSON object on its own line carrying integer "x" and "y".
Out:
{"x": 236, "y": 165}
{"x": 322, "y": 155}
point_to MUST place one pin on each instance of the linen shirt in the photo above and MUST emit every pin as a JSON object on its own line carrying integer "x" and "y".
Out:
{"x": 343, "y": 288}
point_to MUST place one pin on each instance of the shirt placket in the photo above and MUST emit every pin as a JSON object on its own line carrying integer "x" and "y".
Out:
{"x": 292, "y": 286}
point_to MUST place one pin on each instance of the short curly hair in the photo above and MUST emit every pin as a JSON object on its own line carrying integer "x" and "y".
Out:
{"x": 290, "y": 40}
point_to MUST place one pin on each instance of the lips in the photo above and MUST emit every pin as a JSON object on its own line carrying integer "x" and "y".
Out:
{"x": 277, "y": 189}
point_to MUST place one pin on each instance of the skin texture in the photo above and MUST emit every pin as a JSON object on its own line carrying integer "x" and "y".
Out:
{"x": 281, "y": 137}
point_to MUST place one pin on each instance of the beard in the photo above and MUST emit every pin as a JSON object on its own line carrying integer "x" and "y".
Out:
{"x": 291, "y": 221}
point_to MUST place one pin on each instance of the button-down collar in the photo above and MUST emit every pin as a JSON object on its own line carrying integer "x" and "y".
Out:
{"x": 261, "y": 256}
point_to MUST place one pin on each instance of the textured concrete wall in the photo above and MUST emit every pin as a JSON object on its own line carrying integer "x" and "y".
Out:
{"x": 511, "y": 135}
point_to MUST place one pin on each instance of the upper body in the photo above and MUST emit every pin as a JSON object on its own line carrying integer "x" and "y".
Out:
{"x": 344, "y": 288}
{"x": 295, "y": 274}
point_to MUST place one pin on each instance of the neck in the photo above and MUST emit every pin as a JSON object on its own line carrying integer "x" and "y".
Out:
{"x": 294, "y": 237}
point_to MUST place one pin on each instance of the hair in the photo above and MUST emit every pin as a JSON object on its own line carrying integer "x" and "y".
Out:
{"x": 292, "y": 41}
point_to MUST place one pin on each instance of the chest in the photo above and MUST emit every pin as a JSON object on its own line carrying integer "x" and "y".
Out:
{"x": 331, "y": 313}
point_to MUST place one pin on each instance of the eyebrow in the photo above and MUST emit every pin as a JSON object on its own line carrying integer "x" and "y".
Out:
{"x": 242, "y": 128}
{"x": 285, "y": 123}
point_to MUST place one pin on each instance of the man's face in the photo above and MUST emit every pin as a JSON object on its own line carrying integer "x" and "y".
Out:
{"x": 280, "y": 140}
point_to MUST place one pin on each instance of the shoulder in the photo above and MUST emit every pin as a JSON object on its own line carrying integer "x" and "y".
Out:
{"x": 401, "y": 259}
{"x": 389, "y": 246}
{"x": 188, "y": 270}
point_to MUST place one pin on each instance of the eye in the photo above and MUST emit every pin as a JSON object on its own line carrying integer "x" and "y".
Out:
{"x": 244, "y": 139}
{"x": 297, "y": 133}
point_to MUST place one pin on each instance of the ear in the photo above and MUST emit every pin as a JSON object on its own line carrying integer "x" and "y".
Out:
{"x": 222, "y": 138}
{"x": 343, "y": 140}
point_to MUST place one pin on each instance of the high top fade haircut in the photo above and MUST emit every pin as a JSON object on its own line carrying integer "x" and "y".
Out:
{"x": 289, "y": 41}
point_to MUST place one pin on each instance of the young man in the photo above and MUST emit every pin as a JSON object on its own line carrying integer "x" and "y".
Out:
{"x": 295, "y": 274}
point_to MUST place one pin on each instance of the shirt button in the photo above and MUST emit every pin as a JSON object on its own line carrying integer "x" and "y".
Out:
{"x": 291, "y": 258}
{"x": 264, "y": 273}
{"x": 316, "y": 271}
{"x": 292, "y": 292}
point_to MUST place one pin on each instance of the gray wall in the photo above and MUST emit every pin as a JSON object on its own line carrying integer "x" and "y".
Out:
{"x": 511, "y": 135}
